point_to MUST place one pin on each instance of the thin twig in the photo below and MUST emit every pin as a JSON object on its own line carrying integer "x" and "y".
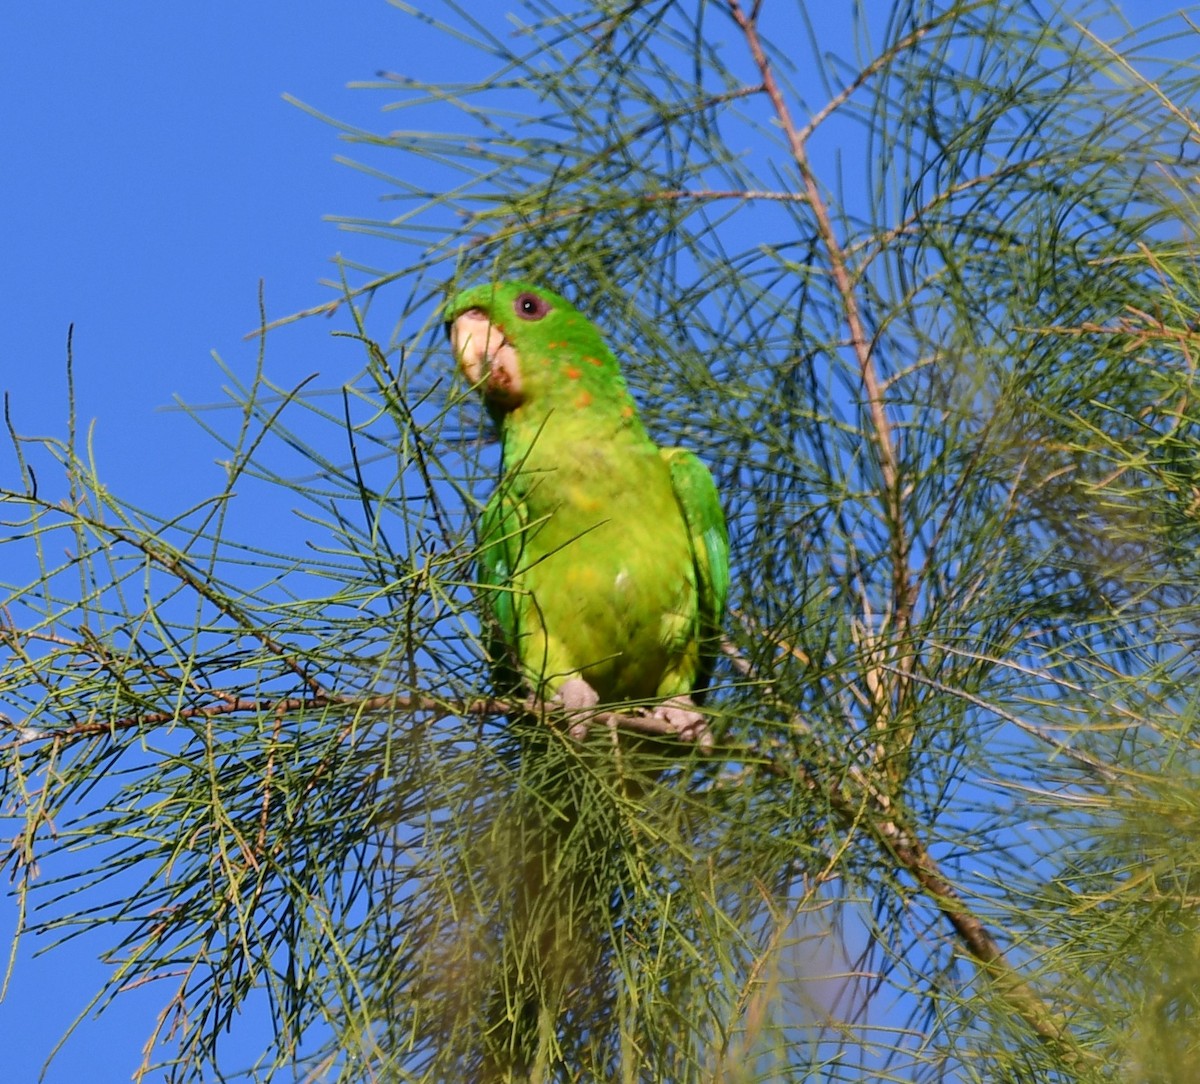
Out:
{"x": 1084, "y": 760}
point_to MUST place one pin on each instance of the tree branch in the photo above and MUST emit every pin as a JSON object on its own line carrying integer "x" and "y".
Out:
{"x": 401, "y": 703}
{"x": 915, "y": 859}
{"x": 885, "y": 695}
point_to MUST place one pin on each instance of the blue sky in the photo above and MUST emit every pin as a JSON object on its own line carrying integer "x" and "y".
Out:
{"x": 152, "y": 175}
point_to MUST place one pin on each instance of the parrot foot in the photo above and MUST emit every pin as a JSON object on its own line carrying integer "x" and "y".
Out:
{"x": 576, "y": 695}
{"x": 680, "y": 714}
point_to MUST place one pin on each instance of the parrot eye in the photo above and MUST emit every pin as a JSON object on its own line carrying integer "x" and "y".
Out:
{"x": 530, "y": 307}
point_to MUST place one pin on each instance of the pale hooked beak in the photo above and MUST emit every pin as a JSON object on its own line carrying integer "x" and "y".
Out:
{"x": 476, "y": 341}
{"x": 486, "y": 357}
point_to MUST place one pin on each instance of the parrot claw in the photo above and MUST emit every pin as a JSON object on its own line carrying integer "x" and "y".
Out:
{"x": 687, "y": 724}
{"x": 576, "y": 695}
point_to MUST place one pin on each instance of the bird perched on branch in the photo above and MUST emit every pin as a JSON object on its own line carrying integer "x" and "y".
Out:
{"x": 604, "y": 566}
{"x": 604, "y": 558}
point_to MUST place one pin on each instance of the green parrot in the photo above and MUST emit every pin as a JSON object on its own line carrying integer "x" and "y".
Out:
{"x": 605, "y": 559}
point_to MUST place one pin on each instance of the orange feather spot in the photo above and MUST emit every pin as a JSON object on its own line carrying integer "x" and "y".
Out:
{"x": 595, "y": 361}
{"x": 573, "y": 373}
{"x": 585, "y": 399}
{"x": 627, "y": 410}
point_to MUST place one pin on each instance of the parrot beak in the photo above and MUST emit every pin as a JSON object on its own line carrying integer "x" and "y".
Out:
{"x": 486, "y": 357}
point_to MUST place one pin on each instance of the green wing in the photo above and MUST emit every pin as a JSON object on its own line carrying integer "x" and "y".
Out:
{"x": 500, "y": 537}
{"x": 700, "y": 503}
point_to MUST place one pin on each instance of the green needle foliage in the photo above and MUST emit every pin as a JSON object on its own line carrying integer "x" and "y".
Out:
{"x": 924, "y": 296}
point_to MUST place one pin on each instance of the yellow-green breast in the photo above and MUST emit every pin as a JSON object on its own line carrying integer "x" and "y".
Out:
{"x": 608, "y": 579}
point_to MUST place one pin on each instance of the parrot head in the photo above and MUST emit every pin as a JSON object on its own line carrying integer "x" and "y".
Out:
{"x": 525, "y": 346}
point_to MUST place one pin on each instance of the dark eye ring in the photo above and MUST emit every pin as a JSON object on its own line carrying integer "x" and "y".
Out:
{"x": 530, "y": 307}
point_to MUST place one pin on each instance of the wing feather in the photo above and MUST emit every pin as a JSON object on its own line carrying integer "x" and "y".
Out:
{"x": 499, "y": 543}
{"x": 700, "y": 503}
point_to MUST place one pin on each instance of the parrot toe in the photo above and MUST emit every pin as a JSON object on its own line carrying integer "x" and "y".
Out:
{"x": 680, "y": 714}
{"x": 576, "y": 695}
